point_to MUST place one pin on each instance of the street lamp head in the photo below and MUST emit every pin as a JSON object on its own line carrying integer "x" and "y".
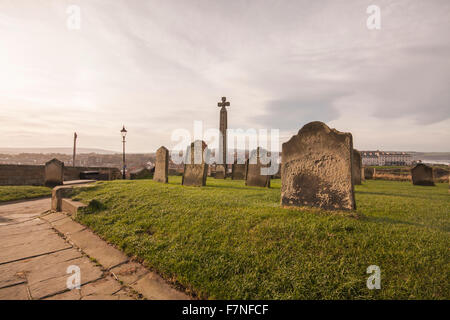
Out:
{"x": 123, "y": 132}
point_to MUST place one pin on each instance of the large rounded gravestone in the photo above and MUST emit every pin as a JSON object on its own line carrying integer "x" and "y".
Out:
{"x": 422, "y": 175}
{"x": 316, "y": 169}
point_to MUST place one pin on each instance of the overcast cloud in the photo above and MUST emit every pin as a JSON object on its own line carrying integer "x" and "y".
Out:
{"x": 156, "y": 66}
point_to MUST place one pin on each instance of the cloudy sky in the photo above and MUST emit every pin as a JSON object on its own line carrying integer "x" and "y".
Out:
{"x": 157, "y": 66}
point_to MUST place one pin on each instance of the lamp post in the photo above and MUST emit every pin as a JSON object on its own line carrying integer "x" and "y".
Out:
{"x": 124, "y": 133}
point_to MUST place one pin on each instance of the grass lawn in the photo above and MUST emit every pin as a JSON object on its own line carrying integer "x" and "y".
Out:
{"x": 228, "y": 241}
{"x": 12, "y": 193}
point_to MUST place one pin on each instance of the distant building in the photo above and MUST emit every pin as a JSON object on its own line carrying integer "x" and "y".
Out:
{"x": 382, "y": 158}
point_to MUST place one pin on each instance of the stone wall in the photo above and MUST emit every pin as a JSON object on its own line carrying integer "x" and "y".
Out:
{"x": 73, "y": 173}
{"x": 20, "y": 175}
{"x": 29, "y": 175}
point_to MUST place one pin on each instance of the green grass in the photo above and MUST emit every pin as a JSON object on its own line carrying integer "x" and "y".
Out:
{"x": 12, "y": 193}
{"x": 228, "y": 241}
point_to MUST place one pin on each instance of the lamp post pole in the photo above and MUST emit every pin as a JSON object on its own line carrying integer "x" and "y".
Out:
{"x": 124, "y": 133}
{"x": 74, "y": 148}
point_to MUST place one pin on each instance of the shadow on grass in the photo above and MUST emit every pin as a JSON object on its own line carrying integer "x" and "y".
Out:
{"x": 392, "y": 221}
{"x": 233, "y": 187}
{"x": 426, "y": 197}
{"x": 386, "y": 220}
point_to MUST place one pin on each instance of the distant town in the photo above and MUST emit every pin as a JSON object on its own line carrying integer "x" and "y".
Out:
{"x": 146, "y": 160}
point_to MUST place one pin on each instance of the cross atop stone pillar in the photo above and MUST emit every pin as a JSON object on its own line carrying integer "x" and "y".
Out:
{"x": 223, "y": 142}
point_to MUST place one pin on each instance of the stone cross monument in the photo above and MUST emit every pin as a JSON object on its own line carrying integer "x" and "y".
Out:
{"x": 221, "y": 169}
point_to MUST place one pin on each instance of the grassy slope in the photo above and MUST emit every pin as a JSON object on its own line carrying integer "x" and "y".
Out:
{"x": 11, "y": 193}
{"x": 229, "y": 241}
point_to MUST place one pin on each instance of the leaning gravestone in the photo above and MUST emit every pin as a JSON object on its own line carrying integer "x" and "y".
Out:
{"x": 54, "y": 173}
{"x": 253, "y": 176}
{"x": 316, "y": 169}
{"x": 356, "y": 167}
{"x": 196, "y": 167}
{"x": 422, "y": 175}
{"x": 162, "y": 165}
{"x": 238, "y": 171}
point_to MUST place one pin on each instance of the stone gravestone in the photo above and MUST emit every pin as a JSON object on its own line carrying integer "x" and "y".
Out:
{"x": 54, "y": 173}
{"x": 356, "y": 167}
{"x": 253, "y": 166}
{"x": 210, "y": 171}
{"x": 369, "y": 173}
{"x": 422, "y": 175}
{"x": 196, "y": 167}
{"x": 238, "y": 171}
{"x": 220, "y": 172}
{"x": 162, "y": 165}
{"x": 316, "y": 169}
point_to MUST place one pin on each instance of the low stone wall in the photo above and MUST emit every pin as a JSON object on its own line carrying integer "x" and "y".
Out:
{"x": 73, "y": 173}
{"x": 29, "y": 175}
{"x": 21, "y": 175}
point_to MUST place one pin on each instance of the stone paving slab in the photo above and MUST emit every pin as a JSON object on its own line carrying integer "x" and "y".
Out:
{"x": 46, "y": 245}
{"x": 96, "y": 291}
{"x": 105, "y": 286}
{"x": 54, "y": 216}
{"x": 30, "y": 226}
{"x": 11, "y": 279}
{"x": 95, "y": 247}
{"x": 124, "y": 294}
{"x": 19, "y": 270}
{"x": 34, "y": 260}
{"x": 22, "y": 211}
{"x": 24, "y": 238}
{"x": 47, "y": 275}
{"x": 153, "y": 287}
{"x": 67, "y": 226}
{"x": 129, "y": 272}
{"x": 68, "y": 295}
{"x": 53, "y": 280}
{"x": 18, "y": 292}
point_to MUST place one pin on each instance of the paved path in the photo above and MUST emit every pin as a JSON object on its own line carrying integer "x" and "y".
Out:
{"x": 37, "y": 247}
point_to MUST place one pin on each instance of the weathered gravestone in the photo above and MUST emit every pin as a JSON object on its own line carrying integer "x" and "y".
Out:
{"x": 196, "y": 167}
{"x": 357, "y": 165}
{"x": 422, "y": 175}
{"x": 54, "y": 173}
{"x": 369, "y": 173}
{"x": 238, "y": 171}
{"x": 316, "y": 169}
{"x": 210, "y": 171}
{"x": 162, "y": 165}
{"x": 254, "y": 176}
{"x": 220, "y": 172}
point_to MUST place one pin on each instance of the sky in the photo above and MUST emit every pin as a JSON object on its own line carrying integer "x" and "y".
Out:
{"x": 158, "y": 66}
